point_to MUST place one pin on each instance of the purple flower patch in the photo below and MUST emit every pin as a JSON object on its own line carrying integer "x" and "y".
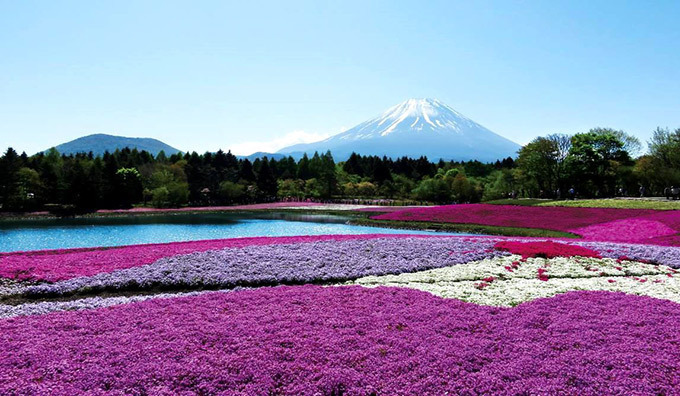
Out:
{"x": 269, "y": 265}
{"x": 347, "y": 340}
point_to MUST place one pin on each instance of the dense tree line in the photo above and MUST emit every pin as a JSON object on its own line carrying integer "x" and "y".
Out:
{"x": 598, "y": 163}
{"x": 127, "y": 177}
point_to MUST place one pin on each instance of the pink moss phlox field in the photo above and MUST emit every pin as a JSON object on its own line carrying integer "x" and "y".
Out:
{"x": 638, "y": 230}
{"x": 551, "y": 218}
{"x": 347, "y": 340}
{"x": 670, "y": 219}
{"x": 545, "y": 249}
{"x": 597, "y": 224}
{"x": 56, "y": 265}
{"x": 386, "y": 209}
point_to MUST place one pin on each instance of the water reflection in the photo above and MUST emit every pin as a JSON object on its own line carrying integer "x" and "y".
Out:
{"x": 129, "y": 230}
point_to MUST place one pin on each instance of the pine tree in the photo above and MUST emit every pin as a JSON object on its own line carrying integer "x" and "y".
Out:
{"x": 304, "y": 172}
{"x": 266, "y": 181}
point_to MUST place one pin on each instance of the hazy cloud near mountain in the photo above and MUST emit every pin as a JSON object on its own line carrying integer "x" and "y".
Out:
{"x": 271, "y": 146}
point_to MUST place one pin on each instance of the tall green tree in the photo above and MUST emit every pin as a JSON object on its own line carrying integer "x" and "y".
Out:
{"x": 9, "y": 181}
{"x": 304, "y": 172}
{"x": 129, "y": 187}
{"x": 266, "y": 181}
{"x": 327, "y": 175}
{"x": 594, "y": 158}
{"x": 538, "y": 160}
{"x": 664, "y": 158}
{"x": 246, "y": 171}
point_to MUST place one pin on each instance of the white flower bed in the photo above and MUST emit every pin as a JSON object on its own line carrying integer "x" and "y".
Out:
{"x": 505, "y": 281}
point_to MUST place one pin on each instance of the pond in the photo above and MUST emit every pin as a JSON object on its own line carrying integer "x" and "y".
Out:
{"x": 21, "y": 235}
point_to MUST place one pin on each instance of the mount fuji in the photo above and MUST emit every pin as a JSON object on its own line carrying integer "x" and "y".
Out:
{"x": 415, "y": 128}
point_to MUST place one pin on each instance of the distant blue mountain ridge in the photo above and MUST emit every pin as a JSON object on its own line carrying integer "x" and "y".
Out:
{"x": 99, "y": 143}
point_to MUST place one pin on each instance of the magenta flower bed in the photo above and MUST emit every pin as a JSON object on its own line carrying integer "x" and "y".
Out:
{"x": 627, "y": 230}
{"x": 347, "y": 340}
{"x": 56, "y": 265}
{"x": 549, "y": 218}
{"x": 654, "y": 228}
{"x": 386, "y": 209}
{"x": 545, "y": 249}
{"x": 596, "y": 224}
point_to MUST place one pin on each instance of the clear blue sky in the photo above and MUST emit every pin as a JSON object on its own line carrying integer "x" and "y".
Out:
{"x": 208, "y": 75}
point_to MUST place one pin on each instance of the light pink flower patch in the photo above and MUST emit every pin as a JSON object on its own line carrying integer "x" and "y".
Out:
{"x": 596, "y": 224}
{"x": 549, "y": 218}
{"x": 628, "y": 230}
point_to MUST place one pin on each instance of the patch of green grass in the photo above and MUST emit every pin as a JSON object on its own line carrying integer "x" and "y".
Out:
{"x": 520, "y": 202}
{"x": 616, "y": 203}
{"x": 465, "y": 228}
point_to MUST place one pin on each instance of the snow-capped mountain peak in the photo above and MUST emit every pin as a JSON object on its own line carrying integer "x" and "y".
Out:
{"x": 413, "y": 128}
{"x": 418, "y": 115}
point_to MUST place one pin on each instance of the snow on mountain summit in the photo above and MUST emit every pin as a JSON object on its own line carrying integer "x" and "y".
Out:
{"x": 414, "y": 128}
{"x": 417, "y": 115}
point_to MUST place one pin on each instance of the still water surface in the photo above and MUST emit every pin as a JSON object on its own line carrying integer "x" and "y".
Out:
{"x": 116, "y": 231}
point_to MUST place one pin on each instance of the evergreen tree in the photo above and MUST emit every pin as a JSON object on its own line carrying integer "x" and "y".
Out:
{"x": 381, "y": 172}
{"x": 304, "y": 172}
{"x": 129, "y": 187}
{"x": 266, "y": 181}
{"x": 353, "y": 165}
{"x": 327, "y": 175}
{"x": 9, "y": 183}
{"x": 246, "y": 171}
{"x": 109, "y": 181}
